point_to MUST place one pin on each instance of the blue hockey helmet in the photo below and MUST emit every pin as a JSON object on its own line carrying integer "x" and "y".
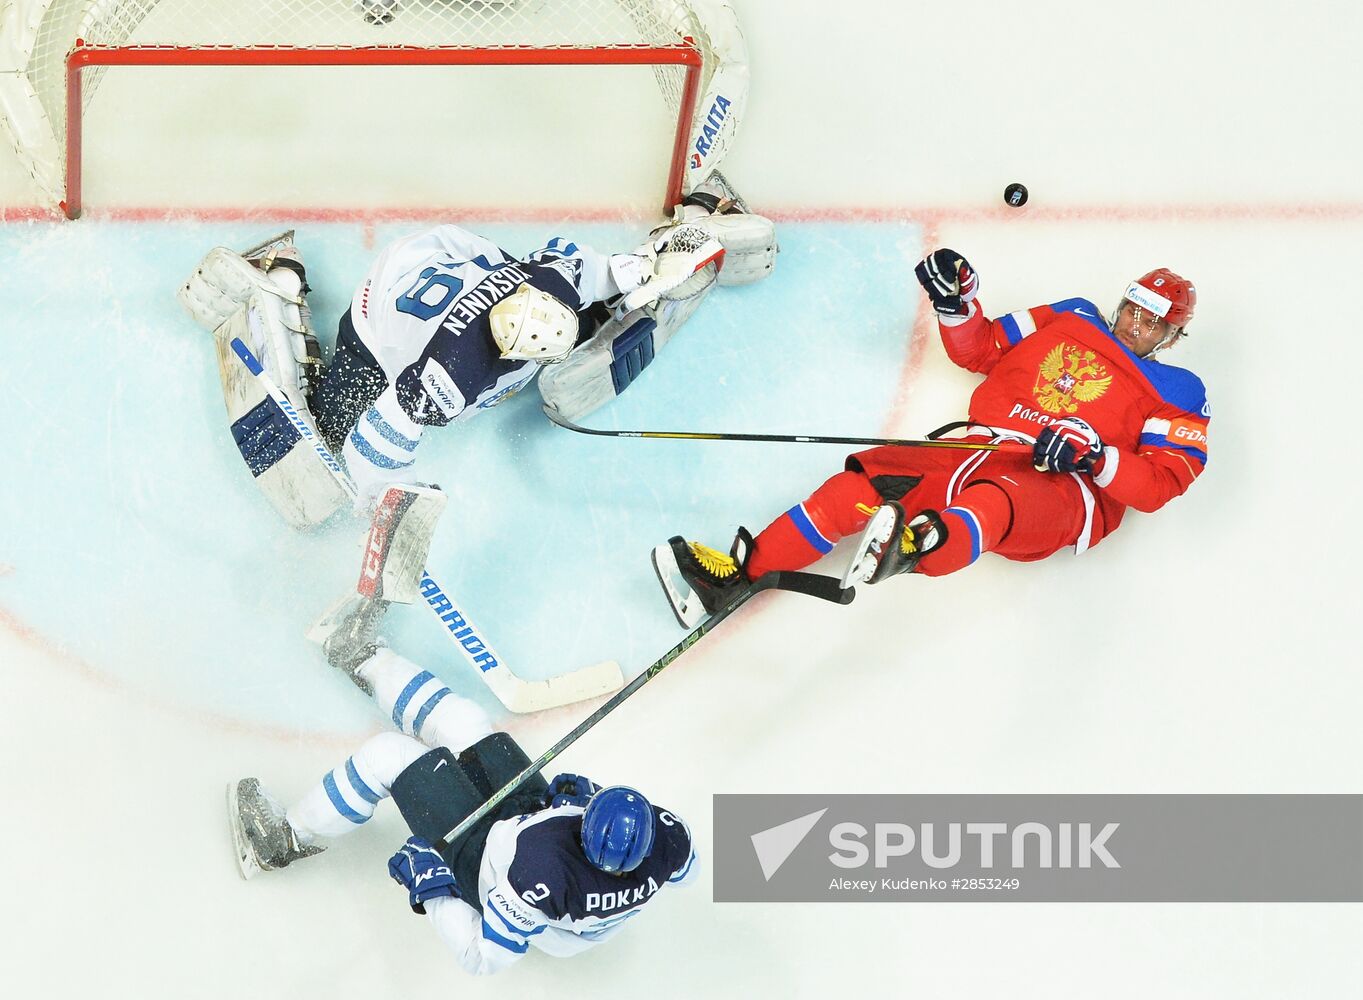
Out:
{"x": 617, "y": 829}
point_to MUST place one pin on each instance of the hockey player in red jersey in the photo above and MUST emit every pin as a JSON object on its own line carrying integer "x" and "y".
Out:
{"x": 1109, "y": 426}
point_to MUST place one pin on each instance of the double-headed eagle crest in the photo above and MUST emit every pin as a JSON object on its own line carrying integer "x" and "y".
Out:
{"x": 1068, "y": 377}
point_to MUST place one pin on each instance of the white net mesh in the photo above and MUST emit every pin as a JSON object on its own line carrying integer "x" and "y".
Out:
{"x": 344, "y": 24}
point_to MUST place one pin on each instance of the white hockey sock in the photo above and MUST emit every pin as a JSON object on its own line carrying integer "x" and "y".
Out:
{"x": 347, "y": 795}
{"x": 421, "y": 705}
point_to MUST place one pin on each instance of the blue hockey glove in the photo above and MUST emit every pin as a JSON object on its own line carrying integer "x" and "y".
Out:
{"x": 949, "y": 280}
{"x": 420, "y": 869}
{"x": 1068, "y": 445}
{"x": 570, "y": 790}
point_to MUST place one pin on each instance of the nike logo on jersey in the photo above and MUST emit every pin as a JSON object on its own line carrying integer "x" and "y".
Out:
{"x": 438, "y": 766}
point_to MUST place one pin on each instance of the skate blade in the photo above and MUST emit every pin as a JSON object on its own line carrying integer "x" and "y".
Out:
{"x": 246, "y": 858}
{"x": 686, "y": 606}
{"x": 283, "y": 239}
{"x": 863, "y": 564}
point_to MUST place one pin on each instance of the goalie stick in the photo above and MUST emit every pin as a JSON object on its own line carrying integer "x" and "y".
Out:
{"x": 823, "y": 587}
{"x": 516, "y": 694}
{"x": 568, "y": 425}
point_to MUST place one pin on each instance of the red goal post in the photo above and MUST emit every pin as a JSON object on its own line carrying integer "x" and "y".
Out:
{"x": 62, "y": 48}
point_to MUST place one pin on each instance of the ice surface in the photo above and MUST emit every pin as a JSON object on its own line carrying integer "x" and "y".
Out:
{"x": 151, "y": 609}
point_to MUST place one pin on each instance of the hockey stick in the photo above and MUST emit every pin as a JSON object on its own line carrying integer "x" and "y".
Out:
{"x": 823, "y": 587}
{"x": 1007, "y": 446}
{"x": 516, "y": 694}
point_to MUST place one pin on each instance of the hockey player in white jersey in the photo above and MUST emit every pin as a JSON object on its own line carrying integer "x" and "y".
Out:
{"x": 447, "y": 324}
{"x": 558, "y": 866}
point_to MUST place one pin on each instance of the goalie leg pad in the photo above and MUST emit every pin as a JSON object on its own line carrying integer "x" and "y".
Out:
{"x": 632, "y": 352}
{"x": 223, "y": 282}
{"x": 264, "y": 435}
{"x": 749, "y": 240}
{"x": 602, "y": 367}
{"x": 300, "y": 488}
{"x": 225, "y": 279}
{"x": 750, "y": 246}
{"x": 258, "y": 296}
{"x": 297, "y": 485}
{"x": 269, "y": 280}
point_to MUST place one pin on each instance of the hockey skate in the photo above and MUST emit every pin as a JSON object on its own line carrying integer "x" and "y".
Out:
{"x": 888, "y": 546}
{"x": 261, "y": 833}
{"x": 699, "y": 580}
{"x": 349, "y": 634}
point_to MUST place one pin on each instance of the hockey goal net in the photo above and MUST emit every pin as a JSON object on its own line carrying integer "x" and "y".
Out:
{"x": 54, "y": 54}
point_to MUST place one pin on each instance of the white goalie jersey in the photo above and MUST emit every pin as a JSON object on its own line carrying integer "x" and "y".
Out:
{"x": 423, "y": 312}
{"x": 538, "y": 890}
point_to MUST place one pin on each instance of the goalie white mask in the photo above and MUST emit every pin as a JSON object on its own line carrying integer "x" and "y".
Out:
{"x": 532, "y": 325}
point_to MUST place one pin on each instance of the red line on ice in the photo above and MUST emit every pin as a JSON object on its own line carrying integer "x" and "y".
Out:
{"x": 925, "y": 214}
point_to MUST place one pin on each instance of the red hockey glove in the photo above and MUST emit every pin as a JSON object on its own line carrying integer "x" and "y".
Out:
{"x": 949, "y": 280}
{"x": 1068, "y": 445}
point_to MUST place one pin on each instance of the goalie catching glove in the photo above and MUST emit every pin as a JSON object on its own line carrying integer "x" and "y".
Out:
{"x": 662, "y": 285}
{"x": 677, "y": 263}
{"x": 749, "y": 239}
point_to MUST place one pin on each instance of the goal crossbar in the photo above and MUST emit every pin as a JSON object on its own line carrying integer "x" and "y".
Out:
{"x": 83, "y": 56}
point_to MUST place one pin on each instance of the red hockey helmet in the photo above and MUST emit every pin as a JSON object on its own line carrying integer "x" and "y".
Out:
{"x": 1170, "y": 297}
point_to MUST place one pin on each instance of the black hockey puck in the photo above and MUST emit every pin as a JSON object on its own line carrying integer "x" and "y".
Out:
{"x": 1015, "y": 195}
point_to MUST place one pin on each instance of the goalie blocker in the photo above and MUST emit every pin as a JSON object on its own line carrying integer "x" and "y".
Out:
{"x": 258, "y": 296}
